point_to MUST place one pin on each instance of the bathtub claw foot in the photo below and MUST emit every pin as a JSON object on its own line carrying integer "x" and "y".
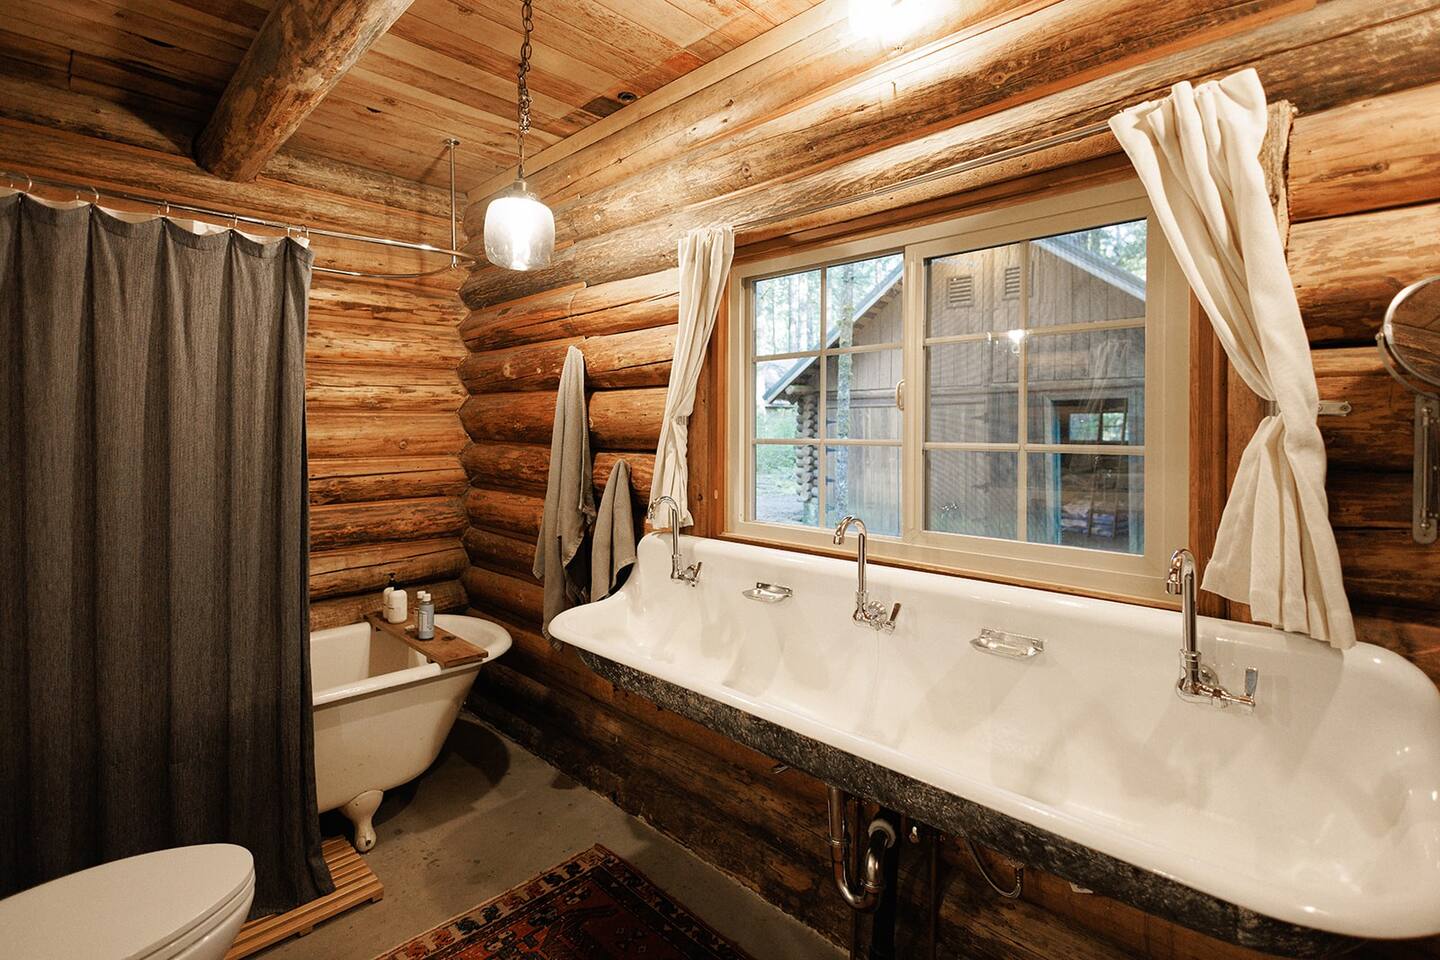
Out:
{"x": 359, "y": 810}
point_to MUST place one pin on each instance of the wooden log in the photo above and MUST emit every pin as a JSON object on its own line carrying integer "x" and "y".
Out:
{"x": 50, "y": 115}
{"x": 388, "y": 434}
{"x": 626, "y": 420}
{"x": 1076, "y": 40}
{"x": 828, "y": 57}
{"x": 388, "y": 478}
{"x": 366, "y": 567}
{"x": 380, "y": 386}
{"x": 449, "y": 596}
{"x": 514, "y": 513}
{"x": 1388, "y": 566}
{"x": 642, "y": 470}
{"x": 619, "y": 419}
{"x": 488, "y": 548}
{"x": 640, "y": 358}
{"x": 335, "y": 340}
{"x": 1347, "y": 269}
{"x": 301, "y": 52}
{"x": 341, "y": 524}
{"x": 547, "y": 315}
{"x": 507, "y": 466}
{"x": 640, "y": 315}
{"x": 523, "y": 598}
{"x": 1412, "y": 633}
{"x": 1306, "y": 59}
{"x": 1364, "y": 499}
{"x": 1370, "y": 155}
{"x": 379, "y": 301}
{"x": 526, "y": 466}
{"x": 1379, "y": 432}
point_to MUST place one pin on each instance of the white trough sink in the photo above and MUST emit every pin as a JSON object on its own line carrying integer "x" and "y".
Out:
{"x": 1321, "y": 809}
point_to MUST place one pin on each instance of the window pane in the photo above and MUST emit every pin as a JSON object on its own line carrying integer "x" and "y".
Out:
{"x": 787, "y": 483}
{"x": 1089, "y": 275}
{"x": 974, "y": 391}
{"x": 973, "y": 292}
{"x": 1086, "y": 387}
{"x": 864, "y": 482}
{"x": 860, "y": 395}
{"x": 787, "y": 313}
{"x": 863, "y": 301}
{"x": 787, "y": 398}
{"x": 971, "y": 492}
{"x": 1087, "y": 500}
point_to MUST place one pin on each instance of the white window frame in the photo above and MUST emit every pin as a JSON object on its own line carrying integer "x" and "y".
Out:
{"x": 1167, "y": 389}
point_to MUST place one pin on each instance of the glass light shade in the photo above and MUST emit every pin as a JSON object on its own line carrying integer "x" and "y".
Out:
{"x": 519, "y": 230}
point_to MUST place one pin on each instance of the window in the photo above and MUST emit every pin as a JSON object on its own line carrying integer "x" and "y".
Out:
{"x": 1003, "y": 394}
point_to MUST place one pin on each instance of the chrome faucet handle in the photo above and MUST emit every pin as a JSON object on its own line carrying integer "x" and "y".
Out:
{"x": 1252, "y": 680}
{"x": 890, "y": 623}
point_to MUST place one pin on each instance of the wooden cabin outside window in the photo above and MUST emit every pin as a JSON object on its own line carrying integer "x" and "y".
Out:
{"x": 1003, "y": 394}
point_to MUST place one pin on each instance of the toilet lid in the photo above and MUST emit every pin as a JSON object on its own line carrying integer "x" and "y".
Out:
{"x": 126, "y": 908}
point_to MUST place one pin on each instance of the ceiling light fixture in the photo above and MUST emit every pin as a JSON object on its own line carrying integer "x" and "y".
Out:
{"x": 519, "y": 229}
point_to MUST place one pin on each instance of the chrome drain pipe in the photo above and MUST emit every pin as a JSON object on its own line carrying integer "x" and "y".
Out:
{"x": 881, "y": 839}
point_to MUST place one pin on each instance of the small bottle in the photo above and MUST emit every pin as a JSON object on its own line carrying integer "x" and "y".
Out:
{"x": 425, "y": 617}
{"x": 396, "y": 603}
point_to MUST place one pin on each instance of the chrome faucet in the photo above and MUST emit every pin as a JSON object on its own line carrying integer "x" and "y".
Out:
{"x": 1198, "y": 682}
{"x": 869, "y": 613}
{"x": 678, "y": 569}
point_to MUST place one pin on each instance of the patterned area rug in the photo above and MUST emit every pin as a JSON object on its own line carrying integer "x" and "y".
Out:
{"x": 594, "y": 906}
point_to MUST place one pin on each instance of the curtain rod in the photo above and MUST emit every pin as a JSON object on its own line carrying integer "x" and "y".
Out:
{"x": 301, "y": 230}
{"x": 962, "y": 166}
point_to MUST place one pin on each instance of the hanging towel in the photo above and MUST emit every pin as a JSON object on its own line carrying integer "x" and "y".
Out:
{"x": 569, "y": 497}
{"x": 613, "y": 550}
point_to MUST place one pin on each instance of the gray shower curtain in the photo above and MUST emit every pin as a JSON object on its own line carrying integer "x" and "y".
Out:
{"x": 154, "y": 663}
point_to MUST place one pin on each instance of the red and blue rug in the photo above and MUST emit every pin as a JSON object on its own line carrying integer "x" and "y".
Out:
{"x": 594, "y": 906}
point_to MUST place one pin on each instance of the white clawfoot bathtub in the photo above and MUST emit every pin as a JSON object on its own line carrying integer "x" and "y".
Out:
{"x": 1321, "y": 809}
{"x": 382, "y": 711}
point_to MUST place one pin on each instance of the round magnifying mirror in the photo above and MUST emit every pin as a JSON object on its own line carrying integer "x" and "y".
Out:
{"x": 1411, "y": 335}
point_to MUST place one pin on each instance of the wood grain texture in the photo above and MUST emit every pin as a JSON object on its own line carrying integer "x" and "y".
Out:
{"x": 367, "y": 566}
{"x": 640, "y": 358}
{"x": 302, "y": 50}
{"x": 1347, "y": 269}
{"x": 1369, "y": 155}
{"x": 449, "y": 596}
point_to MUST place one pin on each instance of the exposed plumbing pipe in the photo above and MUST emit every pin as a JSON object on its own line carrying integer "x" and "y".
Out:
{"x": 881, "y": 839}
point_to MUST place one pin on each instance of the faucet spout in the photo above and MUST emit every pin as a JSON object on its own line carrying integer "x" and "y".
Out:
{"x": 867, "y": 612}
{"x": 1198, "y": 683}
{"x": 678, "y": 570}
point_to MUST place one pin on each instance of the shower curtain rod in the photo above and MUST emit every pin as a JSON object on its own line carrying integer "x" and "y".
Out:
{"x": 300, "y": 230}
{"x": 962, "y": 166}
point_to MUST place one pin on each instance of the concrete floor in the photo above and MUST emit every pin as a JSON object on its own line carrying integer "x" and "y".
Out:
{"x": 487, "y": 816}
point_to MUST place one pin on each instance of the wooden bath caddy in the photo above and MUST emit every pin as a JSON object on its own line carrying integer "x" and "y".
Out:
{"x": 447, "y": 649}
{"x": 355, "y": 883}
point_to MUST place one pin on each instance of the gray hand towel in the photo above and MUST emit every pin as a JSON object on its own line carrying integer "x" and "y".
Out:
{"x": 569, "y": 497}
{"x": 613, "y": 550}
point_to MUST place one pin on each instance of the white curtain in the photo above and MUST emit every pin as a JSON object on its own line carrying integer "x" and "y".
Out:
{"x": 705, "y": 256}
{"x": 1197, "y": 153}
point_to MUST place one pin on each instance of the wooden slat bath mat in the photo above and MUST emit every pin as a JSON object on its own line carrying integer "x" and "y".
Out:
{"x": 355, "y": 883}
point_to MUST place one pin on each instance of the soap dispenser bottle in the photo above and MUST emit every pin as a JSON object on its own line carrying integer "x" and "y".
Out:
{"x": 395, "y": 602}
{"x": 425, "y": 616}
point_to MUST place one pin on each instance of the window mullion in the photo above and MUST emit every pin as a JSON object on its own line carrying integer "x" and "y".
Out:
{"x": 1022, "y": 465}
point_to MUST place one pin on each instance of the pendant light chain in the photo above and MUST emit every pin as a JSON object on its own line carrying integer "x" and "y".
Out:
{"x": 527, "y": 16}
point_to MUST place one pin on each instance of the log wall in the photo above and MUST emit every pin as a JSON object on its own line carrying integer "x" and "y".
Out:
{"x": 386, "y": 485}
{"x": 1364, "y": 187}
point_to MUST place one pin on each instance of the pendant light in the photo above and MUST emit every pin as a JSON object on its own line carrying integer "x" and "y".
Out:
{"x": 519, "y": 229}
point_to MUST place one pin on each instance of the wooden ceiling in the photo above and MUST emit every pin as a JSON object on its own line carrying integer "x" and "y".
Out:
{"x": 445, "y": 68}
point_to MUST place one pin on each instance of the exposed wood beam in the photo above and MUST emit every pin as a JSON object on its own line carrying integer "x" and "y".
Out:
{"x": 301, "y": 52}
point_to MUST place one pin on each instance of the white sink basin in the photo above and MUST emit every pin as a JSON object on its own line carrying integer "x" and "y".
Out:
{"x": 1321, "y": 809}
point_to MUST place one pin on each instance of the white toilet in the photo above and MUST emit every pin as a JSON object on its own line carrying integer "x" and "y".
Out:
{"x": 182, "y": 904}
